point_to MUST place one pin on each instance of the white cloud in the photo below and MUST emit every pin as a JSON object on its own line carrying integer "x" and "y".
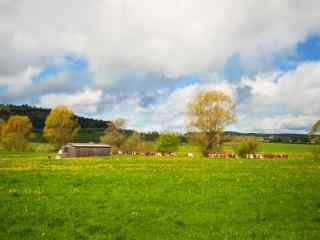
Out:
{"x": 174, "y": 37}
{"x": 278, "y": 102}
{"x": 22, "y": 79}
{"x": 171, "y": 113}
{"x": 85, "y": 102}
{"x": 283, "y": 102}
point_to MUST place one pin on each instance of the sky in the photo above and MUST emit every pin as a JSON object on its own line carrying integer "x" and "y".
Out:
{"x": 144, "y": 60}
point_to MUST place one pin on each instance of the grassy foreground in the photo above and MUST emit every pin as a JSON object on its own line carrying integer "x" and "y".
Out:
{"x": 157, "y": 198}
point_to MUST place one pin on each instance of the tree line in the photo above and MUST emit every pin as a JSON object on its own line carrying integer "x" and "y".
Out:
{"x": 62, "y": 126}
{"x": 208, "y": 115}
{"x": 38, "y": 115}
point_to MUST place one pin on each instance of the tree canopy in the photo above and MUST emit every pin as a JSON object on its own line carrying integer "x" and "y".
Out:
{"x": 113, "y": 135}
{"x": 61, "y": 126}
{"x": 16, "y": 132}
{"x": 208, "y": 114}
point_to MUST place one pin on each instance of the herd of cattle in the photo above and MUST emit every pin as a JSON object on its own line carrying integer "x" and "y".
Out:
{"x": 249, "y": 156}
{"x": 211, "y": 155}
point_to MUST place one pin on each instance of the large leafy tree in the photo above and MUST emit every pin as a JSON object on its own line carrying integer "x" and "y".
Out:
{"x": 208, "y": 115}
{"x": 16, "y": 132}
{"x": 61, "y": 126}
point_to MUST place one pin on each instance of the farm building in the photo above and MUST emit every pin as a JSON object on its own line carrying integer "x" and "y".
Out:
{"x": 84, "y": 150}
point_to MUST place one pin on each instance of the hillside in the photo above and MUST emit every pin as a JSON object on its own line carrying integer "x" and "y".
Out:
{"x": 38, "y": 116}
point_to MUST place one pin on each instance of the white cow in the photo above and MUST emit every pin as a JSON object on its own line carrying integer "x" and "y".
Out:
{"x": 190, "y": 155}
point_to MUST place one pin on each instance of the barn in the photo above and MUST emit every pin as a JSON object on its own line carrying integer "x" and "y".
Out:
{"x": 84, "y": 150}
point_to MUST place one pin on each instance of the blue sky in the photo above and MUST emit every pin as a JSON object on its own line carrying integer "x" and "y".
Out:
{"x": 305, "y": 51}
{"x": 129, "y": 60}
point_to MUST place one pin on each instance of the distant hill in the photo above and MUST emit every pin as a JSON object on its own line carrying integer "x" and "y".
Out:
{"x": 276, "y": 137}
{"x": 38, "y": 116}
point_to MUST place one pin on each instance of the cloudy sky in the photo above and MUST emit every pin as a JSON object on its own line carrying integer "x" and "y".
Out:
{"x": 145, "y": 59}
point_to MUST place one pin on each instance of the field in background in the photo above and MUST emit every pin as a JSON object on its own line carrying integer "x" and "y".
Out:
{"x": 157, "y": 198}
{"x": 294, "y": 150}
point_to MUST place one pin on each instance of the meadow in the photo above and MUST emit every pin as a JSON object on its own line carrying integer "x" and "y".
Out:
{"x": 135, "y": 197}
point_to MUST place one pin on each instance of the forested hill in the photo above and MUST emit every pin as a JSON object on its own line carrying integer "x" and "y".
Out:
{"x": 38, "y": 116}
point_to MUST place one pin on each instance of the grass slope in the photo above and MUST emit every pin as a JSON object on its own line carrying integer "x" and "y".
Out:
{"x": 157, "y": 198}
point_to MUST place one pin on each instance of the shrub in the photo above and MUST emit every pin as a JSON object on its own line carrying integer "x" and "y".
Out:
{"x": 250, "y": 146}
{"x": 168, "y": 142}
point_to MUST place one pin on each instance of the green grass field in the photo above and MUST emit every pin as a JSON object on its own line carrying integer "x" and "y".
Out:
{"x": 294, "y": 150}
{"x": 158, "y": 198}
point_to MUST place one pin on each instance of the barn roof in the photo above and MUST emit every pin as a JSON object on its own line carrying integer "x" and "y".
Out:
{"x": 95, "y": 145}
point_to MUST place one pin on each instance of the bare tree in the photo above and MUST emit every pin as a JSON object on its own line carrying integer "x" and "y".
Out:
{"x": 119, "y": 123}
{"x": 113, "y": 135}
{"x": 314, "y": 130}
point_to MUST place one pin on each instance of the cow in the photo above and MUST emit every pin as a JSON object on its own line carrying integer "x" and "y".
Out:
{"x": 190, "y": 155}
{"x": 222, "y": 155}
{"x": 276, "y": 155}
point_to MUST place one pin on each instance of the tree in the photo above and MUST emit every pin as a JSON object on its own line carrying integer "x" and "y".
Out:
{"x": 119, "y": 123}
{"x": 113, "y": 135}
{"x": 314, "y": 130}
{"x": 61, "y": 126}
{"x": 247, "y": 145}
{"x": 168, "y": 142}
{"x": 16, "y": 133}
{"x": 133, "y": 143}
{"x": 1, "y": 126}
{"x": 208, "y": 114}
{"x": 147, "y": 147}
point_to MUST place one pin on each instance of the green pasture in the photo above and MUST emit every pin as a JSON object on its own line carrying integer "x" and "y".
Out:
{"x": 158, "y": 198}
{"x": 294, "y": 150}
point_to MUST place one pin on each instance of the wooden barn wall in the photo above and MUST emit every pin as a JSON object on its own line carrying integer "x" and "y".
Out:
{"x": 87, "y": 151}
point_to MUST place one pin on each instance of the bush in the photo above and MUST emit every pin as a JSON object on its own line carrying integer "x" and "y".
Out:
{"x": 168, "y": 142}
{"x": 247, "y": 147}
